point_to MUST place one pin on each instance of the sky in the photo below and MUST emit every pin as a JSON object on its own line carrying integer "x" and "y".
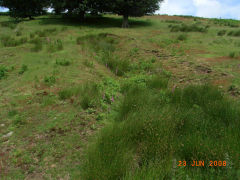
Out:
{"x": 229, "y": 9}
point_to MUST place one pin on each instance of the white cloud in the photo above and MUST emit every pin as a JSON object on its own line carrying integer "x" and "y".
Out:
{"x": 203, "y": 8}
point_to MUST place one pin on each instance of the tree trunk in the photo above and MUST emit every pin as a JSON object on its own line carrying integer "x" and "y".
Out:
{"x": 125, "y": 22}
{"x": 82, "y": 15}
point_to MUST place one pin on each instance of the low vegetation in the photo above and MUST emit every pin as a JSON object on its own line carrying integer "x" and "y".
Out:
{"x": 94, "y": 101}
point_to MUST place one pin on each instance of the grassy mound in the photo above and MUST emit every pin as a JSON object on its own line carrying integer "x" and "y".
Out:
{"x": 156, "y": 128}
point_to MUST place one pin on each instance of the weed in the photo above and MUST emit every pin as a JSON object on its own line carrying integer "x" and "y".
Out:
{"x": 24, "y": 68}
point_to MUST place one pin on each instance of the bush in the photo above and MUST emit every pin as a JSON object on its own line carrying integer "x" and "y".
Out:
{"x": 63, "y": 62}
{"x": 24, "y": 68}
{"x": 222, "y": 32}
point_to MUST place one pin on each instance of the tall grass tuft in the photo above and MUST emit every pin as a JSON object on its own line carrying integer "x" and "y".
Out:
{"x": 153, "y": 129}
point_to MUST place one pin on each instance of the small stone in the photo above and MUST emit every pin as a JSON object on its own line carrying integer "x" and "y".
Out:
{"x": 2, "y": 125}
{"x": 8, "y": 135}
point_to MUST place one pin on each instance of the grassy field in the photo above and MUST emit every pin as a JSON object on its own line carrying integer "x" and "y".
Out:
{"x": 94, "y": 101}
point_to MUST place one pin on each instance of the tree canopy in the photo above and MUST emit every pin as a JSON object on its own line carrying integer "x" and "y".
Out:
{"x": 126, "y": 8}
{"x": 23, "y": 8}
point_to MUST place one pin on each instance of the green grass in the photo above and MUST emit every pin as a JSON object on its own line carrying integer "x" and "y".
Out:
{"x": 90, "y": 100}
{"x": 153, "y": 128}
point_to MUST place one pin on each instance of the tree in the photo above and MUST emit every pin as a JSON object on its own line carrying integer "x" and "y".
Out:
{"x": 23, "y": 8}
{"x": 128, "y": 8}
{"x": 73, "y": 7}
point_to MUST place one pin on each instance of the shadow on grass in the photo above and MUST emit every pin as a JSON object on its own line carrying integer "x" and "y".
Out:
{"x": 93, "y": 21}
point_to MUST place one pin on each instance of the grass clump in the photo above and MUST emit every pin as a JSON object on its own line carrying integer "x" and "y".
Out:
{"x": 188, "y": 28}
{"x": 88, "y": 63}
{"x": 54, "y": 46}
{"x": 9, "y": 41}
{"x": 182, "y": 37}
{"x": 103, "y": 42}
{"x": 89, "y": 96}
{"x": 234, "y": 33}
{"x": 222, "y": 32}
{"x": 38, "y": 45}
{"x": 50, "y": 80}
{"x": 23, "y": 69}
{"x": 155, "y": 128}
{"x": 9, "y": 24}
{"x": 63, "y": 62}
{"x": 118, "y": 66}
{"x": 3, "y": 72}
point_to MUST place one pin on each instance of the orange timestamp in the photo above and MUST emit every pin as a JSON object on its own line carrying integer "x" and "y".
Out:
{"x": 203, "y": 163}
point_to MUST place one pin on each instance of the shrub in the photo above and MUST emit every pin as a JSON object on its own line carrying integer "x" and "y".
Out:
{"x": 222, "y": 32}
{"x": 63, "y": 62}
{"x": 24, "y": 68}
